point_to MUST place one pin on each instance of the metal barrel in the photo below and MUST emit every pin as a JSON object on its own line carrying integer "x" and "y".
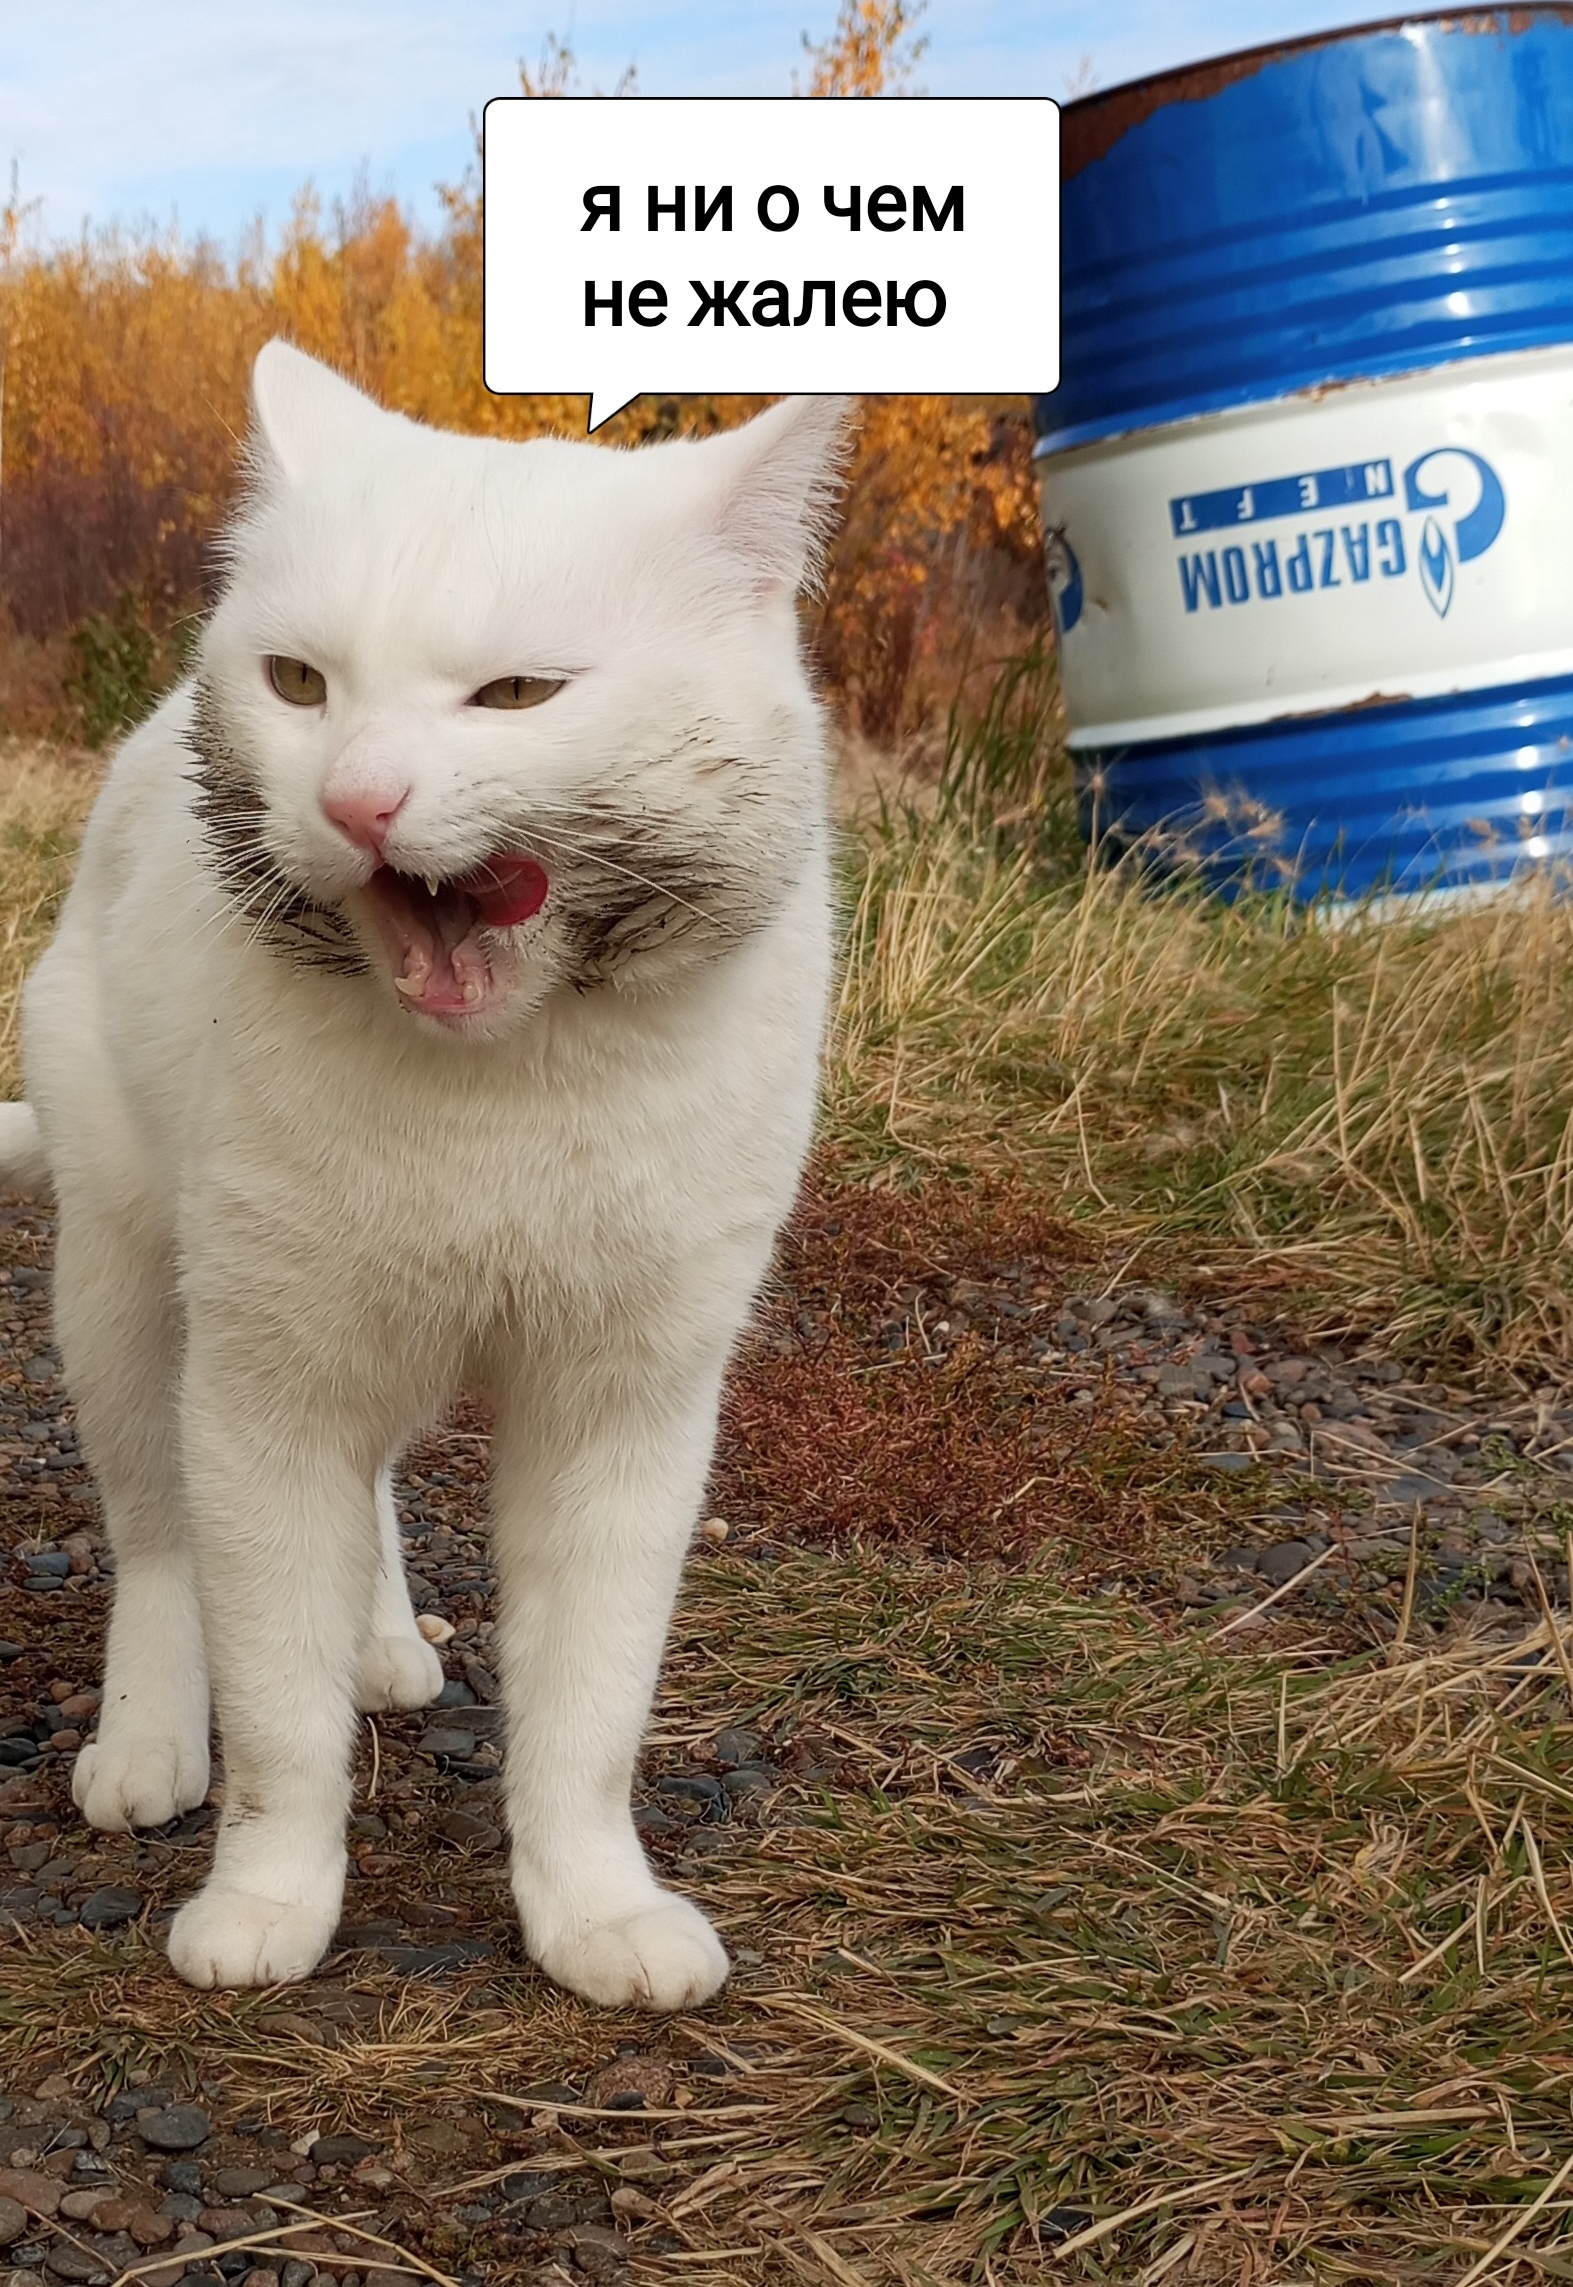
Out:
{"x": 1308, "y": 479}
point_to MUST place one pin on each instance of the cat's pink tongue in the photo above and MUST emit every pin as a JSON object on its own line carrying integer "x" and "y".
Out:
{"x": 507, "y": 890}
{"x": 432, "y": 937}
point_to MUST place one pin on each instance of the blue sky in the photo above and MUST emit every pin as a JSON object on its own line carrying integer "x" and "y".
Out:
{"x": 212, "y": 113}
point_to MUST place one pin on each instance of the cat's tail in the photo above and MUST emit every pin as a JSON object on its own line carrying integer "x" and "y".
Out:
{"x": 23, "y": 1166}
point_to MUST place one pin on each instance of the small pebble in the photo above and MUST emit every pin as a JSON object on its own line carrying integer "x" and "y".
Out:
{"x": 80, "y": 2205}
{"x": 448, "y": 1746}
{"x": 128, "y": 2102}
{"x": 1282, "y": 1563}
{"x": 469, "y": 1828}
{"x": 39, "y": 2194}
{"x": 79, "y": 2266}
{"x": 147, "y": 2228}
{"x": 527, "y": 2184}
{"x": 226, "y": 2223}
{"x": 178, "y": 2128}
{"x": 240, "y": 2183}
{"x": 107, "y": 1909}
{"x": 335, "y": 2150}
{"x": 730, "y": 1748}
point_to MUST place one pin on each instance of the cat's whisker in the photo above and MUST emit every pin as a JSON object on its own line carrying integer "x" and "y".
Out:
{"x": 627, "y": 873}
{"x": 222, "y": 916}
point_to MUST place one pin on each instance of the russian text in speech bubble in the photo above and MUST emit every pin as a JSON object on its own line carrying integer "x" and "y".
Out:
{"x": 756, "y": 244}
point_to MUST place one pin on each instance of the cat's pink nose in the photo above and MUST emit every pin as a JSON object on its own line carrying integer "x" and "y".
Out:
{"x": 365, "y": 812}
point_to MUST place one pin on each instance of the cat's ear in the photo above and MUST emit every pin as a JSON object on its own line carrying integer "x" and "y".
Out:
{"x": 305, "y": 416}
{"x": 776, "y": 484}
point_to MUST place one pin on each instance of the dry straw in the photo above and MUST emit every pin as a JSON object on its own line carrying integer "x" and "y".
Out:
{"x": 1206, "y": 1964}
{"x": 45, "y": 793}
{"x": 1375, "y": 1119}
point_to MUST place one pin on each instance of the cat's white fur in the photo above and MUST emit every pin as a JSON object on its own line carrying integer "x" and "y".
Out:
{"x": 296, "y": 1215}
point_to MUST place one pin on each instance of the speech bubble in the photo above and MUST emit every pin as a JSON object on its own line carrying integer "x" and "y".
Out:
{"x": 771, "y": 245}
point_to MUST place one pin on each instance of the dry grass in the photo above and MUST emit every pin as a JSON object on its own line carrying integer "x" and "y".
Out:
{"x": 1078, "y": 1950}
{"x": 1376, "y": 1116}
{"x": 45, "y": 794}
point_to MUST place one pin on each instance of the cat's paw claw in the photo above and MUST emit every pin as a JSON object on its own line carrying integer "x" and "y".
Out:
{"x": 398, "y": 1671}
{"x": 232, "y": 1938}
{"x": 118, "y": 1784}
{"x": 662, "y": 1956}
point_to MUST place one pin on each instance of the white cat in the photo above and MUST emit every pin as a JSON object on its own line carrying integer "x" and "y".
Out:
{"x": 437, "y": 1006}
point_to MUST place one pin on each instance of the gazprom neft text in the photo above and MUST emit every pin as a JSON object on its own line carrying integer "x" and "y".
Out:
{"x": 1325, "y": 556}
{"x": 1454, "y": 496}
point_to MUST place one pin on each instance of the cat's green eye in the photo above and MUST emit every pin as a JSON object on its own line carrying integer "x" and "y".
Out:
{"x": 303, "y": 686}
{"x": 516, "y": 691}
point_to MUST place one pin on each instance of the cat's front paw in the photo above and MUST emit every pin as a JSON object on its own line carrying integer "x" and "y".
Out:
{"x": 232, "y": 1937}
{"x": 139, "y": 1780}
{"x": 398, "y": 1671}
{"x": 662, "y": 1956}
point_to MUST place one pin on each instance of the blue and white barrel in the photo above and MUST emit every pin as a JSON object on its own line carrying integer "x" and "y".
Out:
{"x": 1308, "y": 480}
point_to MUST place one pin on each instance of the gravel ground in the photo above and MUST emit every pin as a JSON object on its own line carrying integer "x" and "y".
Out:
{"x": 1365, "y": 1462}
{"x": 1379, "y": 1498}
{"x": 1076, "y": 1391}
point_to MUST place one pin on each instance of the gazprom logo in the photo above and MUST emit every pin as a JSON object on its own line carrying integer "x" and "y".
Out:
{"x": 1469, "y": 493}
{"x": 1349, "y": 536}
{"x": 1064, "y": 578}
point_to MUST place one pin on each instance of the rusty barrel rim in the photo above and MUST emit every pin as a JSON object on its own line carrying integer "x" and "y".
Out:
{"x": 1359, "y": 204}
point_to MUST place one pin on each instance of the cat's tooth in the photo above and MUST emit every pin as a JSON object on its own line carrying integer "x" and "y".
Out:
{"x": 433, "y": 883}
{"x": 413, "y": 986}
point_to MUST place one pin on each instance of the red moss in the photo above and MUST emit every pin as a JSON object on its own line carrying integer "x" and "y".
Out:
{"x": 849, "y": 1417}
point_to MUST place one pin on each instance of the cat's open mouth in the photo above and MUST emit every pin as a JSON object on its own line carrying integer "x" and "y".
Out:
{"x": 435, "y": 931}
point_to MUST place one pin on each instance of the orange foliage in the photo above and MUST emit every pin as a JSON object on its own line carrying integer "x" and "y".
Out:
{"x": 870, "y": 52}
{"x": 939, "y": 551}
{"x": 124, "y": 398}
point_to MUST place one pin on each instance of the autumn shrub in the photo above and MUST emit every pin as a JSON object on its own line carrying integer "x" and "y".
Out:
{"x": 125, "y": 373}
{"x": 938, "y": 558}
